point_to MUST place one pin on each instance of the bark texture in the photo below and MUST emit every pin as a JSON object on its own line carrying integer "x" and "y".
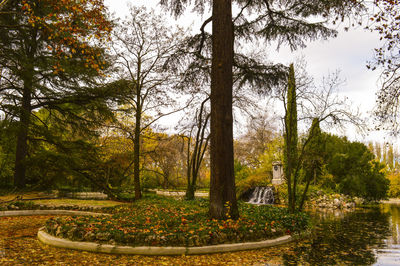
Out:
{"x": 223, "y": 203}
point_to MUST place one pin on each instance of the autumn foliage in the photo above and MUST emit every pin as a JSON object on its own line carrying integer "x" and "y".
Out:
{"x": 71, "y": 28}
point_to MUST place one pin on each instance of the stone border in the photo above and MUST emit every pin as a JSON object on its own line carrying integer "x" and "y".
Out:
{"x": 115, "y": 249}
{"x": 48, "y": 212}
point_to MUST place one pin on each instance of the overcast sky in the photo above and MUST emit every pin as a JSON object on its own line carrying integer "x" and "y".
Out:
{"x": 349, "y": 53}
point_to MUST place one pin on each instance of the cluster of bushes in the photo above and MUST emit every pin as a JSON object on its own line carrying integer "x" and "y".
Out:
{"x": 157, "y": 221}
{"x": 340, "y": 166}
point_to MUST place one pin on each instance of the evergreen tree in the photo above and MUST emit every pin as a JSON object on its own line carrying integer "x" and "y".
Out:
{"x": 291, "y": 140}
{"x": 313, "y": 161}
{"x": 50, "y": 55}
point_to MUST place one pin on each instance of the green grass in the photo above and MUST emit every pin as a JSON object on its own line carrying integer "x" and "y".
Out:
{"x": 160, "y": 221}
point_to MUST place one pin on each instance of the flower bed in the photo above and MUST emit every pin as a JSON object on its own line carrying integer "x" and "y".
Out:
{"x": 157, "y": 221}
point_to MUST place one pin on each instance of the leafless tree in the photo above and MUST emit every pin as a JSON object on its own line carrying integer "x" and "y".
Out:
{"x": 322, "y": 101}
{"x": 260, "y": 131}
{"x": 143, "y": 44}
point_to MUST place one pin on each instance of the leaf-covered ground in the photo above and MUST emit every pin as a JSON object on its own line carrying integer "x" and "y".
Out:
{"x": 20, "y": 246}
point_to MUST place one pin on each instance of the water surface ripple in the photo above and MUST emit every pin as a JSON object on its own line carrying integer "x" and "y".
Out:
{"x": 362, "y": 237}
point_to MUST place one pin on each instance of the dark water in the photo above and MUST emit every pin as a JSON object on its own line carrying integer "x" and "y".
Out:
{"x": 362, "y": 237}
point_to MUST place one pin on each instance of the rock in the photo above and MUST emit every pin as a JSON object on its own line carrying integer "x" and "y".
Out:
{"x": 103, "y": 236}
{"x": 351, "y": 205}
{"x": 337, "y": 202}
{"x": 90, "y": 236}
{"x": 358, "y": 201}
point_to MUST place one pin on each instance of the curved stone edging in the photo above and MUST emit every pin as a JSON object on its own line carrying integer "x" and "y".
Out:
{"x": 115, "y": 249}
{"x": 48, "y": 212}
{"x": 146, "y": 250}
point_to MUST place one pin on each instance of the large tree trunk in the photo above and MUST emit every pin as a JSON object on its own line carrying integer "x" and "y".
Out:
{"x": 22, "y": 138}
{"x": 223, "y": 203}
{"x": 190, "y": 190}
{"x": 24, "y": 117}
{"x": 166, "y": 180}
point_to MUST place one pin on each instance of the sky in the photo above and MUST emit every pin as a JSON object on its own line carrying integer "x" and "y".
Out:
{"x": 348, "y": 53}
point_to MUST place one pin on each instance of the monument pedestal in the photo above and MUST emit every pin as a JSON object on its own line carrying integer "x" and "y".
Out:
{"x": 277, "y": 173}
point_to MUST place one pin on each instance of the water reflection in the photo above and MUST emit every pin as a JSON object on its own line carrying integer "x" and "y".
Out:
{"x": 394, "y": 211}
{"x": 390, "y": 253}
{"x": 355, "y": 238}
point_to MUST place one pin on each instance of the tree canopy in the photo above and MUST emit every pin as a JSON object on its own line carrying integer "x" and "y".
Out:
{"x": 51, "y": 58}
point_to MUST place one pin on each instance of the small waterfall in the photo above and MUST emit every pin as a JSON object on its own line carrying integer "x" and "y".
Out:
{"x": 262, "y": 195}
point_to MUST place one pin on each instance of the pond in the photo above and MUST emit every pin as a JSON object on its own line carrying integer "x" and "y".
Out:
{"x": 362, "y": 237}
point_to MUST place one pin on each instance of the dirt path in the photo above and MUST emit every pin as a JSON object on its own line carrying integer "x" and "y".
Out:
{"x": 20, "y": 246}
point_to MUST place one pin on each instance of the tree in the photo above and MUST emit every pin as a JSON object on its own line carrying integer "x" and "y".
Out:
{"x": 50, "y": 55}
{"x": 195, "y": 151}
{"x": 223, "y": 203}
{"x": 290, "y": 159}
{"x": 7, "y": 151}
{"x": 355, "y": 170}
{"x": 143, "y": 45}
{"x": 260, "y": 132}
{"x": 71, "y": 154}
{"x": 166, "y": 159}
{"x": 313, "y": 161}
{"x": 390, "y": 156}
{"x": 386, "y": 21}
{"x": 378, "y": 151}
{"x": 287, "y": 23}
